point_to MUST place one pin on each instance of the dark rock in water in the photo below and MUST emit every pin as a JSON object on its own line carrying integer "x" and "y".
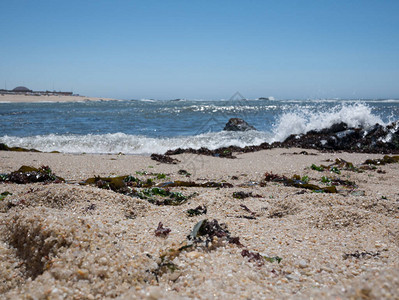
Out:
{"x": 338, "y": 137}
{"x": 237, "y": 124}
{"x": 335, "y": 128}
{"x": 377, "y": 139}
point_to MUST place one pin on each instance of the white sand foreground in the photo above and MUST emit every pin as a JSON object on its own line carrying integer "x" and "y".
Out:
{"x": 68, "y": 241}
{"x": 4, "y": 98}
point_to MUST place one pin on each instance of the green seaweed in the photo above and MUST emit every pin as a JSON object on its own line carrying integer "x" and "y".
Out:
{"x": 305, "y": 179}
{"x": 296, "y": 181}
{"x": 325, "y": 179}
{"x": 184, "y": 172}
{"x": 345, "y": 165}
{"x": 156, "y": 196}
{"x": 160, "y": 175}
{"x": 335, "y": 170}
{"x": 317, "y": 168}
{"x": 4, "y": 194}
{"x": 120, "y": 184}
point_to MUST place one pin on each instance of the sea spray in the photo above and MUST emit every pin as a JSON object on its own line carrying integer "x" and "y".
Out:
{"x": 357, "y": 115}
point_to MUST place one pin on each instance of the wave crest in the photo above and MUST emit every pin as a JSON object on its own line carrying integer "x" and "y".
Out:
{"x": 304, "y": 120}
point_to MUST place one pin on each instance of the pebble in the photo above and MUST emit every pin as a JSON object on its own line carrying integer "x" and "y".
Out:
{"x": 302, "y": 264}
{"x": 292, "y": 277}
{"x": 194, "y": 254}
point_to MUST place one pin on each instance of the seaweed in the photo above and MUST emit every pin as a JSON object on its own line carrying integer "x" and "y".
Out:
{"x": 246, "y": 217}
{"x": 216, "y": 184}
{"x": 253, "y": 214}
{"x": 27, "y": 174}
{"x": 4, "y": 147}
{"x": 184, "y": 172}
{"x": 206, "y": 231}
{"x": 179, "y": 183}
{"x": 359, "y": 255}
{"x": 141, "y": 173}
{"x": 295, "y": 181}
{"x": 318, "y": 168}
{"x": 199, "y": 210}
{"x": 383, "y": 161}
{"x": 243, "y": 195}
{"x": 258, "y": 258}
{"x": 325, "y": 179}
{"x": 92, "y": 206}
{"x": 164, "y": 159}
{"x": 274, "y": 177}
{"x": 205, "y": 235}
{"x": 321, "y": 168}
{"x": 162, "y": 231}
{"x": 4, "y": 194}
{"x": 172, "y": 198}
{"x": 119, "y": 184}
{"x": 345, "y": 165}
{"x": 160, "y": 175}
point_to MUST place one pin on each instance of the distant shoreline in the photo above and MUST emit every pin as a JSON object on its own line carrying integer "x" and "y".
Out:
{"x": 52, "y": 98}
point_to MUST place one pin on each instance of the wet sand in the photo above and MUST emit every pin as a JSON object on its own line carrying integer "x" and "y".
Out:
{"x": 65, "y": 240}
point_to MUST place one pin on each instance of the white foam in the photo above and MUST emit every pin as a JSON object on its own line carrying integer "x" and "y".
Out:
{"x": 292, "y": 121}
{"x": 303, "y": 120}
{"x": 133, "y": 144}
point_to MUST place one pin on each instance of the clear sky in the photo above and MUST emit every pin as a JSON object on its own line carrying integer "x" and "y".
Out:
{"x": 202, "y": 49}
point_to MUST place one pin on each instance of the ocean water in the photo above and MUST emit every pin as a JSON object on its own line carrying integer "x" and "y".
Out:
{"x": 151, "y": 126}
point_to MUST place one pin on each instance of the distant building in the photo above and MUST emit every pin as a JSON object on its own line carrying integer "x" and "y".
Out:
{"x": 21, "y": 89}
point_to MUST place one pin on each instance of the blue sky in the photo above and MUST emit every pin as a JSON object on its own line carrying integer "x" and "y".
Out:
{"x": 202, "y": 49}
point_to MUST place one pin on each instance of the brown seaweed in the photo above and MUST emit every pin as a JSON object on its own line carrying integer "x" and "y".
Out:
{"x": 359, "y": 255}
{"x": 199, "y": 210}
{"x": 253, "y": 214}
{"x": 166, "y": 159}
{"x": 206, "y": 231}
{"x": 258, "y": 258}
{"x": 382, "y": 161}
{"x": 184, "y": 172}
{"x": 180, "y": 183}
{"x": 243, "y": 195}
{"x": 295, "y": 182}
{"x": 4, "y": 147}
{"x": 27, "y": 174}
{"x": 162, "y": 231}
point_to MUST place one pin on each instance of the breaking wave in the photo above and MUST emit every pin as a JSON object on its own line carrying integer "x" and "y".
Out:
{"x": 133, "y": 144}
{"x": 304, "y": 119}
{"x": 275, "y": 124}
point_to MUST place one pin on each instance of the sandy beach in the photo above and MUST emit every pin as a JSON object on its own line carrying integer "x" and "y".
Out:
{"x": 65, "y": 240}
{"x": 52, "y": 98}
